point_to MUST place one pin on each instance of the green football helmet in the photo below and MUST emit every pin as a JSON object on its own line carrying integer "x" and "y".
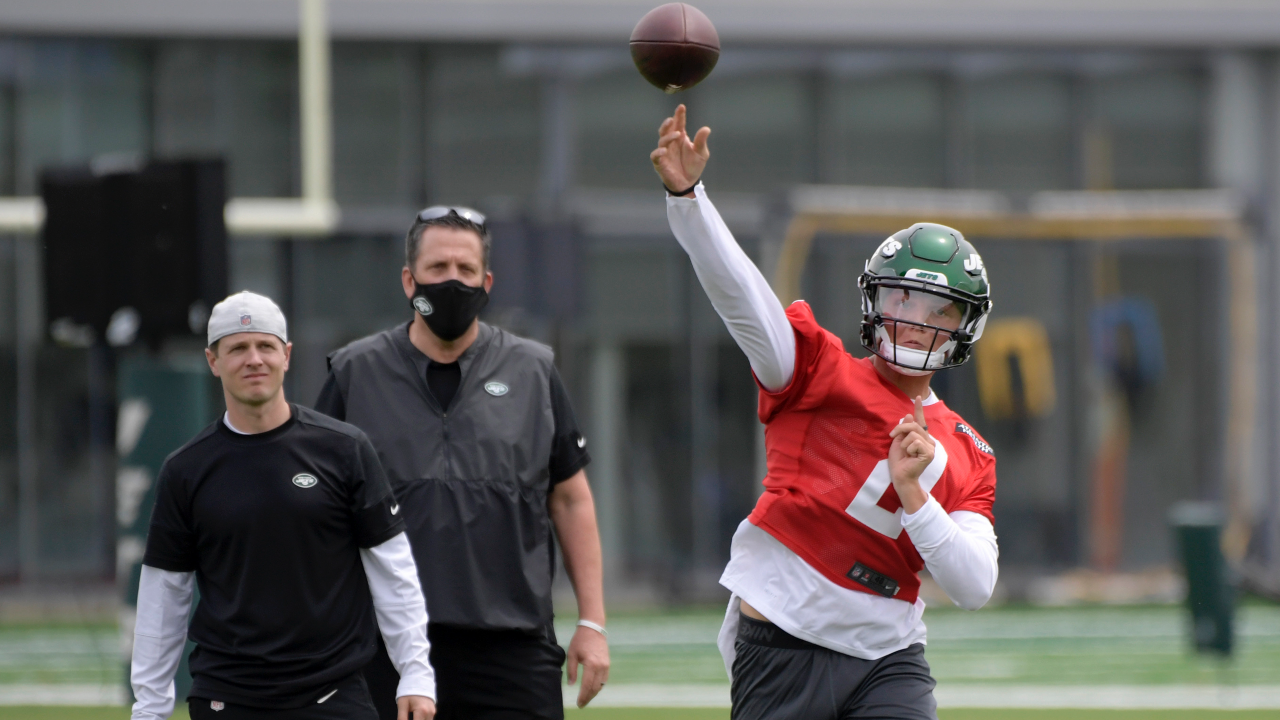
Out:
{"x": 925, "y": 299}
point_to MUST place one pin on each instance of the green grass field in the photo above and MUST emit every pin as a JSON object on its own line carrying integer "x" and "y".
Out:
{"x": 1026, "y": 646}
{"x": 1077, "y": 646}
{"x": 1009, "y": 647}
{"x": 51, "y": 713}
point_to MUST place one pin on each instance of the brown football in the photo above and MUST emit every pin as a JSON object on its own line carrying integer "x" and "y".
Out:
{"x": 675, "y": 46}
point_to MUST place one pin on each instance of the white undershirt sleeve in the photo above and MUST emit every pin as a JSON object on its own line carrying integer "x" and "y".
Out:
{"x": 401, "y": 610}
{"x": 164, "y": 604}
{"x": 737, "y": 290}
{"x": 959, "y": 550}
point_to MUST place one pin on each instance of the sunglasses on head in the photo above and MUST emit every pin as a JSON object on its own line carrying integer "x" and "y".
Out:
{"x": 436, "y": 212}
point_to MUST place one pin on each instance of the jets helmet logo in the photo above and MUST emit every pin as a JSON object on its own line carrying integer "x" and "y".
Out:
{"x": 890, "y": 248}
{"x": 936, "y": 278}
{"x": 973, "y": 264}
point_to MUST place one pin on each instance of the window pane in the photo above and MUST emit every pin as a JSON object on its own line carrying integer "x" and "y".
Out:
{"x": 887, "y": 131}
{"x": 1153, "y": 125}
{"x": 262, "y": 94}
{"x": 7, "y": 143}
{"x": 189, "y": 118}
{"x": 618, "y": 115}
{"x": 1020, "y": 133}
{"x": 483, "y": 133}
{"x": 114, "y": 108}
{"x": 762, "y": 131}
{"x": 75, "y": 101}
{"x": 238, "y": 100}
{"x": 376, "y": 136}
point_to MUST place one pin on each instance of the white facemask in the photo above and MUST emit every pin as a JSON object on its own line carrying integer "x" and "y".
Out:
{"x": 910, "y": 360}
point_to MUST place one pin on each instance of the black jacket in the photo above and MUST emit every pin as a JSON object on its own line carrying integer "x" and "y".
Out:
{"x": 473, "y": 481}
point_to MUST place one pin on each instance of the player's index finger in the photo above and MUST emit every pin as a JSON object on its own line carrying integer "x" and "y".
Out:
{"x": 920, "y": 412}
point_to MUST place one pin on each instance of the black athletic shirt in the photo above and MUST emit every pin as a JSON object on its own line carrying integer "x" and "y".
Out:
{"x": 272, "y": 525}
{"x": 443, "y": 380}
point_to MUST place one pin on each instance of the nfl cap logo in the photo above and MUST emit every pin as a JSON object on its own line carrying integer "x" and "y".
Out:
{"x": 246, "y": 312}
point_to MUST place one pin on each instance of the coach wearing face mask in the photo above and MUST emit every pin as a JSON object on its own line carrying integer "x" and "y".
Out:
{"x": 480, "y": 444}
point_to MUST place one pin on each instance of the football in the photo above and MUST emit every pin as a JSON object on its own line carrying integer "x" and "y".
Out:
{"x": 675, "y": 47}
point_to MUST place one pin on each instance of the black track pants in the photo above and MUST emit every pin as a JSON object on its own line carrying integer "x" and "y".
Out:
{"x": 780, "y": 677}
{"x": 482, "y": 675}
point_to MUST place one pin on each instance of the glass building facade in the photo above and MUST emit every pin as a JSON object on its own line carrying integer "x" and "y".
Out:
{"x": 553, "y": 142}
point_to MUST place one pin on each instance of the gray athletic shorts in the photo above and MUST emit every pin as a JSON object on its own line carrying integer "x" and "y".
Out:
{"x": 780, "y": 677}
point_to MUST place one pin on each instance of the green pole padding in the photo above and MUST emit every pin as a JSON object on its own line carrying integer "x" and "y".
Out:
{"x": 163, "y": 403}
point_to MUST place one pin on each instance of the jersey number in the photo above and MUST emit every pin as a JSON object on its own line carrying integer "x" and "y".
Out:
{"x": 865, "y": 508}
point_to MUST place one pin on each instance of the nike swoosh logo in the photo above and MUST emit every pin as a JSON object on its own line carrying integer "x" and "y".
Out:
{"x": 394, "y": 509}
{"x": 326, "y": 697}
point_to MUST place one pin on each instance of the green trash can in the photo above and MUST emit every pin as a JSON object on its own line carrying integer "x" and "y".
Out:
{"x": 1211, "y": 593}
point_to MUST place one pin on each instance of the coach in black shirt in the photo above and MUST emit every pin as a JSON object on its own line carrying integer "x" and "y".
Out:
{"x": 284, "y": 519}
{"x": 479, "y": 441}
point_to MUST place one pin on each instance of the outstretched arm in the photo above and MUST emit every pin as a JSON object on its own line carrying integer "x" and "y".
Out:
{"x": 739, "y": 293}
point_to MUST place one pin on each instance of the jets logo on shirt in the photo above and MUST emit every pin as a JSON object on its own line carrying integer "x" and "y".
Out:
{"x": 495, "y": 388}
{"x": 304, "y": 480}
{"x": 961, "y": 427}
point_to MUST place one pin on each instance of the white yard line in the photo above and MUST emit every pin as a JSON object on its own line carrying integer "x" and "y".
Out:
{"x": 949, "y": 695}
{"x": 1117, "y": 697}
{"x": 25, "y": 694}
{"x": 654, "y": 695}
{"x": 1111, "y": 697}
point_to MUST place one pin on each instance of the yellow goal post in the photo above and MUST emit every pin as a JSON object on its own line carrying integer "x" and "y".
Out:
{"x": 1082, "y": 216}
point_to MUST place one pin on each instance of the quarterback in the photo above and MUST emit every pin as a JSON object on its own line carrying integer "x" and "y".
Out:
{"x": 871, "y": 478}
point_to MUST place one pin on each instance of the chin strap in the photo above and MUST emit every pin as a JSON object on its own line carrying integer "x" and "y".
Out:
{"x": 896, "y": 355}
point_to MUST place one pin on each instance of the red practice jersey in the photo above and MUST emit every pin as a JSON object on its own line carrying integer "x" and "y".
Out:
{"x": 828, "y": 495}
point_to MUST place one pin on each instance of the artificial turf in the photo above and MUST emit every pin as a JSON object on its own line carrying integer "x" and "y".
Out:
{"x": 117, "y": 713}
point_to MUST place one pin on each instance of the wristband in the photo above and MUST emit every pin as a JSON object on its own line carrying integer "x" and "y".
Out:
{"x": 686, "y": 192}
{"x": 598, "y": 628}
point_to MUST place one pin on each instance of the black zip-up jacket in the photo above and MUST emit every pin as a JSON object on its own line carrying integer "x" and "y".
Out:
{"x": 472, "y": 479}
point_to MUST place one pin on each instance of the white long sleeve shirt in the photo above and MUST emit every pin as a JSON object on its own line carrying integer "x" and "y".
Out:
{"x": 959, "y": 549}
{"x": 164, "y": 603}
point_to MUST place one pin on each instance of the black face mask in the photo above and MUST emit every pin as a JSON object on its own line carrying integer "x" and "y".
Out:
{"x": 448, "y": 307}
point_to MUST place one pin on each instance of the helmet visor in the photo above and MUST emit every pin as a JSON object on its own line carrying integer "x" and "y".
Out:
{"x": 918, "y": 319}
